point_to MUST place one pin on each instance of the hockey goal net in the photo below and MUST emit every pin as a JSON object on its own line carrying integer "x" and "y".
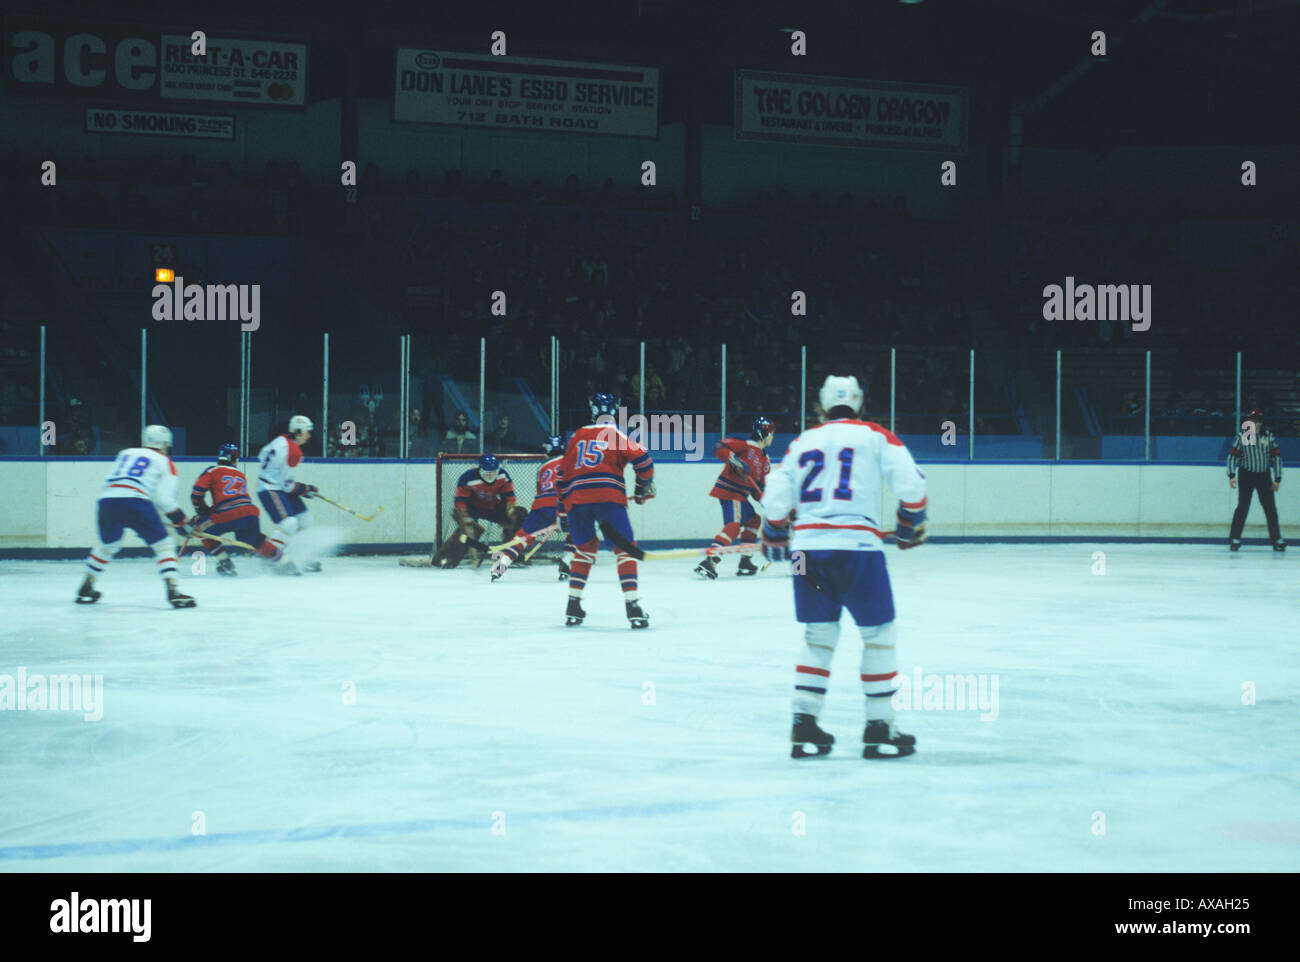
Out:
{"x": 522, "y": 469}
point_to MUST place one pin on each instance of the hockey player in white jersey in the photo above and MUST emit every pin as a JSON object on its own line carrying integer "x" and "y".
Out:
{"x": 827, "y": 493}
{"x": 281, "y": 496}
{"x": 141, "y": 482}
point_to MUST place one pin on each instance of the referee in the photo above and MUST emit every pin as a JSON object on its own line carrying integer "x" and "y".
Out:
{"x": 1260, "y": 460}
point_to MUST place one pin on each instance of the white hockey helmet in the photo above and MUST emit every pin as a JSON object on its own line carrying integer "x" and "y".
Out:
{"x": 841, "y": 392}
{"x": 156, "y": 436}
{"x": 300, "y": 422}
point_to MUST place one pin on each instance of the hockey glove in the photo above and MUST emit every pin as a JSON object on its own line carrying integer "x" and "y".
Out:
{"x": 645, "y": 490}
{"x": 179, "y": 522}
{"x": 776, "y": 540}
{"x": 305, "y": 490}
{"x": 738, "y": 465}
{"x": 911, "y": 527}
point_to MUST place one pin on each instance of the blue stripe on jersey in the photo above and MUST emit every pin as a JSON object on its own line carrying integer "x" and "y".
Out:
{"x": 613, "y": 486}
{"x": 813, "y": 689}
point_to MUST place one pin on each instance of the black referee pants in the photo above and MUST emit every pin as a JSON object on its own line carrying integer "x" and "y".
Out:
{"x": 1249, "y": 482}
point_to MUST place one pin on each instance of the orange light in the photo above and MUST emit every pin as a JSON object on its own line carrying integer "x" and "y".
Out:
{"x": 164, "y": 275}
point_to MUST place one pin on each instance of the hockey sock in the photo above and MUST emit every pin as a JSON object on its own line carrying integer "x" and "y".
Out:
{"x": 100, "y": 556}
{"x": 164, "y": 553}
{"x": 269, "y": 550}
{"x": 288, "y": 528}
{"x": 813, "y": 671}
{"x": 626, "y": 574}
{"x": 879, "y": 669}
{"x": 727, "y": 535}
{"x": 750, "y": 534}
{"x": 584, "y": 556}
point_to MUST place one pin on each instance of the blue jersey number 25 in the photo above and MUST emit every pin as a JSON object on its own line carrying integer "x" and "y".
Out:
{"x": 843, "y": 491}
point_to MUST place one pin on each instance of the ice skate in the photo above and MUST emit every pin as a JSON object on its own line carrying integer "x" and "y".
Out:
{"x": 746, "y": 567}
{"x": 499, "y": 567}
{"x": 312, "y": 567}
{"x": 226, "y": 567}
{"x": 86, "y": 594}
{"x": 708, "y": 568}
{"x": 636, "y": 617}
{"x": 809, "y": 741}
{"x": 564, "y": 572}
{"x": 1279, "y": 545}
{"x": 574, "y": 614}
{"x": 286, "y": 568}
{"x": 1234, "y": 544}
{"x": 882, "y": 740}
{"x": 177, "y": 599}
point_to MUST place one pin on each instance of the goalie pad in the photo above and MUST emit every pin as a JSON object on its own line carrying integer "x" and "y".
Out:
{"x": 452, "y": 551}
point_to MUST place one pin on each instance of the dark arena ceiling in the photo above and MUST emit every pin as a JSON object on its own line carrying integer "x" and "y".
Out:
{"x": 1176, "y": 71}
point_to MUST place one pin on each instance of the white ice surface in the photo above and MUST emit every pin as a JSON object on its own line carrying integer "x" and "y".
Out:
{"x": 1119, "y": 694}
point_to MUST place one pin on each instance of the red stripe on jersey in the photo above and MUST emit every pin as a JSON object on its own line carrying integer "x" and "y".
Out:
{"x": 879, "y": 677}
{"x": 889, "y": 435}
{"x": 838, "y": 527}
{"x": 807, "y": 670}
{"x": 914, "y": 506}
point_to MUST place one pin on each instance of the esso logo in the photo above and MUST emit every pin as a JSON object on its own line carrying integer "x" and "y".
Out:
{"x": 427, "y": 61}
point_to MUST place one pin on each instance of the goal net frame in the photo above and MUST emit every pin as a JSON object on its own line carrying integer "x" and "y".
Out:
{"x": 449, "y": 466}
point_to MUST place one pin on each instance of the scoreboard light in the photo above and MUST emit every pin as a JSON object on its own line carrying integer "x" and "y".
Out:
{"x": 164, "y": 275}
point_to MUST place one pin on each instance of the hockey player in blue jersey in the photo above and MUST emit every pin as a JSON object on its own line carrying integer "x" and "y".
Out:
{"x": 826, "y": 493}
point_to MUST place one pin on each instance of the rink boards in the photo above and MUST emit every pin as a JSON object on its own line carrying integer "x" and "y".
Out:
{"x": 49, "y": 503}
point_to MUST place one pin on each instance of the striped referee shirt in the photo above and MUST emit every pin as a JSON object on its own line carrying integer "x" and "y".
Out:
{"x": 1263, "y": 455}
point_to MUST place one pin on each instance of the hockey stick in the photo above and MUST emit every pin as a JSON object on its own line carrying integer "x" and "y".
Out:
{"x": 520, "y": 539}
{"x": 640, "y": 554}
{"x": 343, "y": 507}
{"x": 232, "y": 542}
{"x": 545, "y": 536}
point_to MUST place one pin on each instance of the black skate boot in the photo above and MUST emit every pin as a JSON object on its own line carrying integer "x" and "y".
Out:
{"x": 177, "y": 599}
{"x": 574, "y": 614}
{"x": 636, "y": 617}
{"x": 312, "y": 567}
{"x": 884, "y": 741}
{"x": 746, "y": 567}
{"x": 1279, "y": 545}
{"x": 226, "y": 567}
{"x": 564, "y": 572}
{"x": 708, "y": 568}
{"x": 806, "y": 735}
{"x": 86, "y": 594}
{"x": 1234, "y": 544}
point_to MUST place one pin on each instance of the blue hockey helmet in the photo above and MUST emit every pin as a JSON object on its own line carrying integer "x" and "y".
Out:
{"x": 489, "y": 462}
{"x": 762, "y": 427}
{"x": 603, "y": 404}
{"x": 228, "y": 453}
{"x": 553, "y": 445}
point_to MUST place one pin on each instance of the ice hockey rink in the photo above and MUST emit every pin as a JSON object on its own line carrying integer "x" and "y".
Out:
{"x": 1135, "y": 711}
